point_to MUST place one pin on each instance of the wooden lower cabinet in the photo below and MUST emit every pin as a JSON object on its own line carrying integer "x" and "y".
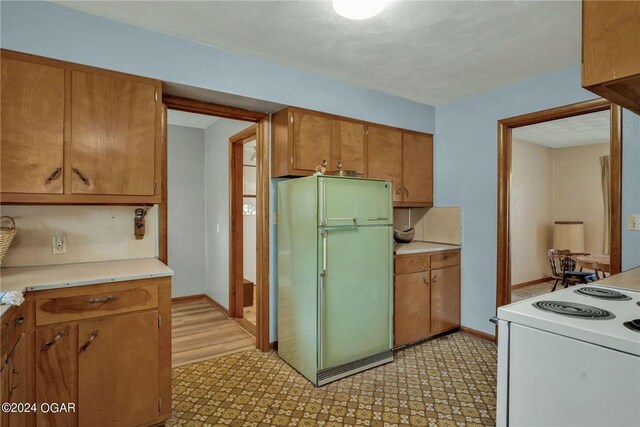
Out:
{"x": 412, "y": 308}
{"x": 445, "y": 299}
{"x": 426, "y": 302}
{"x": 115, "y": 367}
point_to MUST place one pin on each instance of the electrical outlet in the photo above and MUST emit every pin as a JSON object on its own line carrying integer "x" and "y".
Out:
{"x": 59, "y": 244}
{"x": 633, "y": 222}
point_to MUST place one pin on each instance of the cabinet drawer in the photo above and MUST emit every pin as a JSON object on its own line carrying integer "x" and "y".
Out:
{"x": 445, "y": 259}
{"x": 96, "y": 304}
{"x": 411, "y": 263}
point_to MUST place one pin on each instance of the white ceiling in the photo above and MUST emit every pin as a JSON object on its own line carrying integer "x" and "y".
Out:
{"x": 190, "y": 120}
{"x": 578, "y": 130}
{"x": 428, "y": 51}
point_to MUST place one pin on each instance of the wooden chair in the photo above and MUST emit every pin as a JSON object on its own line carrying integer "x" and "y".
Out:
{"x": 563, "y": 269}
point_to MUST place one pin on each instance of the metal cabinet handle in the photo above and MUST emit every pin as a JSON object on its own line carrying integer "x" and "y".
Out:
{"x": 19, "y": 321}
{"x": 108, "y": 298}
{"x": 46, "y": 346}
{"x": 84, "y": 180}
{"x": 398, "y": 191}
{"x": 406, "y": 191}
{"x": 435, "y": 279}
{"x": 54, "y": 175}
{"x": 86, "y": 345}
{"x": 425, "y": 280}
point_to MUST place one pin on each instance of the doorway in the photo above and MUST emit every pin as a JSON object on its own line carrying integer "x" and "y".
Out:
{"x": 260, "y": 135}
{"x": 510, "y": 264}
{"x": 243, "y": 166}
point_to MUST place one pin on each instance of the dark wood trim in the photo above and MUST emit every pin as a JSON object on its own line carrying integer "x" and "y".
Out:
{"x": 217, "y": 305}
{"x": 263, "y": 181}
{"x": 273, "y": 346}
{"x": 249, "y": 327}
{"x": 478, "y": 334}
{"x": 211, "y": 109}
{"x": 503, "y": 273}
{"x": 163, "y": 221}
{"x": 183, "y": 298}
{"x": 530, "y": 283}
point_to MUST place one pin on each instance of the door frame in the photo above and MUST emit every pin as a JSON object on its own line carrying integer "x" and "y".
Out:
{"x": 262, "y": 188}
{"x": 236, "y": 219}
{"x": 505, "y": 127}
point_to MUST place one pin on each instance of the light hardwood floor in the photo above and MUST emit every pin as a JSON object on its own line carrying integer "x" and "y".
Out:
{"x": 200, "y": 331}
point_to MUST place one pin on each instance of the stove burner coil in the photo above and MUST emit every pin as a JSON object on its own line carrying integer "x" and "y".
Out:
{"x": 634, "y": 324}
{"x": 607, "y": 294}
{"x": 573, "y": 309}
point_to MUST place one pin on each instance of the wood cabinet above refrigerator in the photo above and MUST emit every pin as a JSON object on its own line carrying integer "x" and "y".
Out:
{"x": 611, "y": 51}
{"x": 303, "y": 140}
{"x": 73, "y": 134}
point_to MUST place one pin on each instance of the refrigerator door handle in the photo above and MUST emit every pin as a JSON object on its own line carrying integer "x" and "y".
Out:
{"x": 323, "y": 276}
{"x": 324, "y": 252}
{"x": 377, "y": 218}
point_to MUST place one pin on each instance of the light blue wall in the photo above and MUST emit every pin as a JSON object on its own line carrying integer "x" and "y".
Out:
{"x": 216, "y": 190}
{"x": 466, "y": 175}
{"x": 185, "y": 210}
{"x": 630, "y": 187}
{"x": 47, "y": 29}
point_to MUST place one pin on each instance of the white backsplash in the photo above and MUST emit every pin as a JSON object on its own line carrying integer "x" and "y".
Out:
{"x": 438, "y": 224}
{"x": 94, "y": 233}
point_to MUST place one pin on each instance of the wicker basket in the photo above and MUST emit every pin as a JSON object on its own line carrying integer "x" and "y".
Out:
{"x": 6, "y": 236}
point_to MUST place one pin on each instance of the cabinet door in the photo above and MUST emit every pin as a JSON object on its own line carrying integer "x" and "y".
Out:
{"x": 417, "y": 168}
{"x": 113, "y": 134}
{"x": 31, "y": 137}
{"x": 347, "y": 146}
{"x": 445, "y": 299}
{"x": 56, "y": 372}
{"x": 384, "y": 157}
{"x": 118, "y": 370}
{"x": 18, "y": 386}
{"x": 411, "y": 308}
{"x": 311, "y": 141}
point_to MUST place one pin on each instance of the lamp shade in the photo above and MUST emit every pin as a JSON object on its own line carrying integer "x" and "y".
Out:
{"x": 568, "y": 235}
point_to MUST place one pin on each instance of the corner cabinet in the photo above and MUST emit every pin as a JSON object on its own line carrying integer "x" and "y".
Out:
{"x": 76, "y": 134}
{"x": 303, "y": 140}
{"x": 426, "y": 295}
{"x": 611, "y": 51}
{"x": 106, "y": 349}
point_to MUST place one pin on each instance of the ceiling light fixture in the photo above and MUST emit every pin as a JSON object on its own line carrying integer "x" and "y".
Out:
{"x": 359, "y": 9}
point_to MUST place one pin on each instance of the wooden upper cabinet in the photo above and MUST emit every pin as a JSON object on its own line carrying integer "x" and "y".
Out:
{"x": 32, "y": 132}
{"x": 113, "y": 122}
{"x": 303, "y": 139}
{"x": 77, "y": 134}
{"x": 384, "y": 157}
{"x": 611, "y": 51}
{"x": 347, "y": 146}
{"x": 417, "y": 168}
{"x": 311, "y": 141}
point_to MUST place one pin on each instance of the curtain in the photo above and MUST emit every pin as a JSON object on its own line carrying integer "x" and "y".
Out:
{"x": 605, "y": 178}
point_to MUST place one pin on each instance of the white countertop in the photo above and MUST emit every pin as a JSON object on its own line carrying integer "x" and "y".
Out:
{"x": 629, "y": 279}
{"x": 417, "y": 247}
{"x": 23, "y": 279}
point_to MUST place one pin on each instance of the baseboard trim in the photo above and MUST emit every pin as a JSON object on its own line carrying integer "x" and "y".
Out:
{"x": 249, "y": 327}
{"x": 531, "y": 282}
{"x": 217, "y": 305}
{"x": 478, "y": 334}
{"x": 205, "y": 297}
{"x": 188, "y": 298}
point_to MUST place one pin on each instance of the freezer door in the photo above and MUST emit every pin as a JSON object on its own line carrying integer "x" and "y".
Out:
{"x": 355, "y": 294}
{"x": 348, "y": 201}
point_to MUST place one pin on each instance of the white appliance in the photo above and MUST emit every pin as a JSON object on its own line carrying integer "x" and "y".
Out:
{"x": 570, "y": 358}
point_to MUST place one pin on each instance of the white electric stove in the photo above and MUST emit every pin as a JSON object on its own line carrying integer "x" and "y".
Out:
{"x": 570, "y": 358}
